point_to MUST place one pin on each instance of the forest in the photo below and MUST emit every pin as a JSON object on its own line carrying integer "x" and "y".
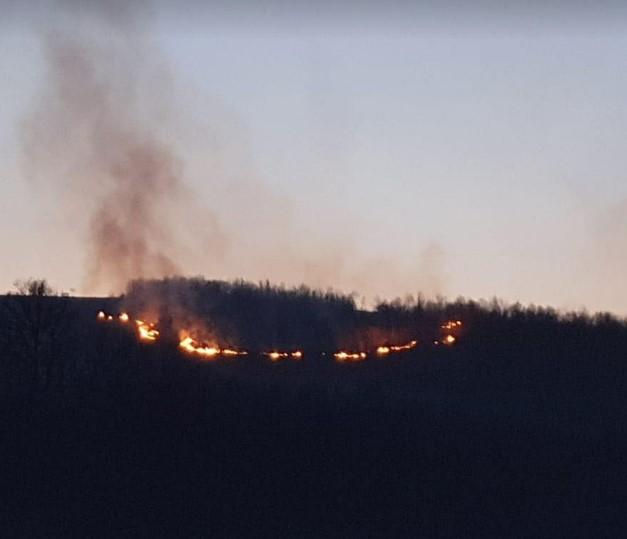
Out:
{"x": 517, "y": 429}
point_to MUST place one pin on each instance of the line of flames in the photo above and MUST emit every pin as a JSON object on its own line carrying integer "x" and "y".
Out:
{"x": 147, "y": 332}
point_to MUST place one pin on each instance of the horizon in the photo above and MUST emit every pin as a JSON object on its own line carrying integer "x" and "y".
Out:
{"x": 384, "y": 152}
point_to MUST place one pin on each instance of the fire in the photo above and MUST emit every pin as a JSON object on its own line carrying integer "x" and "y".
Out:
{"x": 190, "y": 345}
{"x": 452, "y": 324}
{"x": 350, "y": 356}
{"x": 387, "y": 349}
{"x": 193, "y": 347}
{"x": 229, "y": 352}
{"x": 276, "y": 356}
{"x": 403, "y": 347}
{"x": 146, "y": 331}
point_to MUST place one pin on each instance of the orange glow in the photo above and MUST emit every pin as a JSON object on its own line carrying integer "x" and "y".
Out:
{"x": 276, "y": 355}
{"x": 190, "y": 345}
{"x": 350, "y": 356}
{"x": 229, "y": 352}
{"x": 385, "y": 350}
{"x": 193, "y": 347}
{"x": 403, "y": 347}
{"x": 452, "y": 324}
{"x": 146, "y": 331}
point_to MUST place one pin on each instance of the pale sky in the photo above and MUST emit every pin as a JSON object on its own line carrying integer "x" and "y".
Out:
{"x": 386, "y": 152}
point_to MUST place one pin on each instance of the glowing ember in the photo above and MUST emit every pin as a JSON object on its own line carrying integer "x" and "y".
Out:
{"x": 191, "y": 346}
{"x": 403, "y": 347}
{"x": 229, "y": 352}
{"x": 350, "y": 356}
{"x": 452, "y": 324}
{"x": 385, "y": 350}
{"x": 146, "y": 331}
{"x": 276, "y": 355}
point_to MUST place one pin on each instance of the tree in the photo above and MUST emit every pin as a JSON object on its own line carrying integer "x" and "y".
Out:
{"x": 35, "y": 316}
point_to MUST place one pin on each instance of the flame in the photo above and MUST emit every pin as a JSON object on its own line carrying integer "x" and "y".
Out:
{"x": 343, "y": 356}
{"x": 276, "y": 355}
{"x": 230, "y": 352}
{"x": 452, "y": 324}
{"x": 403, "y": 347}
{"x": 387, "y": 349}
{"x": 193, "y": 347}
{"x": 190, "y": 345}
{"x": 146, "y": 331}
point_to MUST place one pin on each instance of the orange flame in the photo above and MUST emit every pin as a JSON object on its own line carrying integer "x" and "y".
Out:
{"x": 343, "y": 356}
{"x": 276, "y": 356}
{"x": 146, "y": 331}
{"x": 452, "y": 324}
{"x": 193, "y": 347}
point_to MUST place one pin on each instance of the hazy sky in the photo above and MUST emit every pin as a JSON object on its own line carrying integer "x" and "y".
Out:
{"x": 383, "y": 150}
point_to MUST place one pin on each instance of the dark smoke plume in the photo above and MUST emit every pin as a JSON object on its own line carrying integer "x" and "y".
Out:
{"x": 98, "y": 138}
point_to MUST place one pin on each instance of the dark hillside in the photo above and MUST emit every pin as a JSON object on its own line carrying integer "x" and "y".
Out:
{"x": 518, "y": 430}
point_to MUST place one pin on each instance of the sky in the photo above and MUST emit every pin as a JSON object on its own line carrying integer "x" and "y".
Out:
{"x": 377, "y": 148}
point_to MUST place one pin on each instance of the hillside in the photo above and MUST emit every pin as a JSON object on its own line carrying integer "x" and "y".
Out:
{"x": 515, "y": 430}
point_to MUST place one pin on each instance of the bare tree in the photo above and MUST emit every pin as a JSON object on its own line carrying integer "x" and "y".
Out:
{"x": 35, "y": 316}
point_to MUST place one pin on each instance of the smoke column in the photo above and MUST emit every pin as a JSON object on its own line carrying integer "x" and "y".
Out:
{"x": 97, "y": 138}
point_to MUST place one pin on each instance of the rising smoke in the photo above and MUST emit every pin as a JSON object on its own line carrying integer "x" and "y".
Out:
{"x": 97, "y": 138}
{"x": 102, "y": 140}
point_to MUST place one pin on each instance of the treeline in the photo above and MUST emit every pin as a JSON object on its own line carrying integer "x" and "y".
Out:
{"x": 507, "y": 434}
{"x": 51, "y": 340}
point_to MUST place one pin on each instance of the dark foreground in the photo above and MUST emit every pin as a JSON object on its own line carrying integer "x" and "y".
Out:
{"x": 519, "y": 431}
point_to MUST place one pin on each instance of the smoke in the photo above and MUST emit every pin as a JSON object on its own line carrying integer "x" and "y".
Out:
{"x": 97, "y": 139}
{"x": 102, "y": 144}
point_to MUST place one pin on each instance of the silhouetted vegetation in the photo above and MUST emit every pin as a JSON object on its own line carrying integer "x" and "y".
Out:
{"x": 517, "y": 431}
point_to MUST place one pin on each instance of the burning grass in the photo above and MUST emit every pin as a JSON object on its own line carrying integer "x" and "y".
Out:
{"x": 147, "y": 332}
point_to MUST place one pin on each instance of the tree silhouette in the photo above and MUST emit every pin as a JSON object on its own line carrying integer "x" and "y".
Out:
{"x": 35, "y": 316}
